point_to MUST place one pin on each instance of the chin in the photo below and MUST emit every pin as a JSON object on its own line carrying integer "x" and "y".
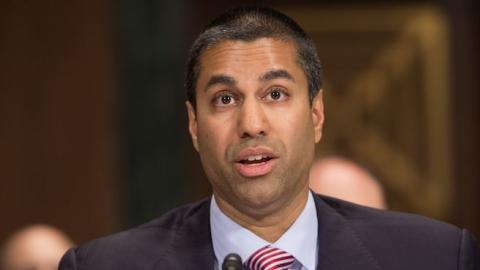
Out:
{"x": 260, "y": 197}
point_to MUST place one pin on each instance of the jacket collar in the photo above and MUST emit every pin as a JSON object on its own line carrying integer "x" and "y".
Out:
{"x": 338, "y": 245}
{"x": 192, "y": 246}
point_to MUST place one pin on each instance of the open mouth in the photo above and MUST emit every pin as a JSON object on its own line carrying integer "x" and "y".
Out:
{"x": 255, "y": 162}
{"x": 257, "y": 159}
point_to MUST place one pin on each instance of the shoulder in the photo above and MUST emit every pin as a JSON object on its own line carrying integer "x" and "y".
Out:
{"x": 371, "y": 218}
{"x": 392, "y": 236}
{"x": 144, "y": 244}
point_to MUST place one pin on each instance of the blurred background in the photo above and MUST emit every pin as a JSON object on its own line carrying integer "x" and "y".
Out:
{"x": 93, "y": 130}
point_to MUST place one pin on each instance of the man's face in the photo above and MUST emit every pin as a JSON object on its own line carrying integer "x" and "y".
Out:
{"x": 253, "y": 125}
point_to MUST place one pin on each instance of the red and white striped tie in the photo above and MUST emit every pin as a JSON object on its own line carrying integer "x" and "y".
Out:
{"x": 269, "y": 258}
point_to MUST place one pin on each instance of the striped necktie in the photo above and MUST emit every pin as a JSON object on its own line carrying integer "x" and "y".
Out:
{"x": 269, "y": 258}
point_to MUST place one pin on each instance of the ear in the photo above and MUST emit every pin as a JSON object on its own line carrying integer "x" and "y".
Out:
{"x": 192, "y": 124}
{"x": 318, "y": 115}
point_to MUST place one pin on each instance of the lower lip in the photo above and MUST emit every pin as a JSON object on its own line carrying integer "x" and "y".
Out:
{"x": 255, "y": 170}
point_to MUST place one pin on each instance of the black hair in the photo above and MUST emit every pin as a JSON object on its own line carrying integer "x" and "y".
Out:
{"x": 250, "y": 24}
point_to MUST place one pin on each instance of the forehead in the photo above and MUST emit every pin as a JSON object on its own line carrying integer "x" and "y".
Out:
{"x": 234, "y": 56}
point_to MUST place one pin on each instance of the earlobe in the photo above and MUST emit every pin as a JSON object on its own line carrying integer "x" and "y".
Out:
{"x": 318, "y": 115}
{"x": 192, "y": 124}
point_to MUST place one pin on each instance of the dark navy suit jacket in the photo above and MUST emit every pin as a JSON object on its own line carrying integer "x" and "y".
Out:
{"x": 350, "y": 237}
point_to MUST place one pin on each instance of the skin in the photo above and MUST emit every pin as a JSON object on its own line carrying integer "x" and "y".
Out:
{"x": 37, "y": 247}
{"x": 344, "y": 179}
{"x": 254, "y": 95}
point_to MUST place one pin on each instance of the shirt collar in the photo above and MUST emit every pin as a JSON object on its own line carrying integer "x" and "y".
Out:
{"x": 300, "y": 240}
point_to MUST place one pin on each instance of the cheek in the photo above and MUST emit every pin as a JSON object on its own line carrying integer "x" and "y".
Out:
{"x": 298, "y": 136}
{"x": 212, "y": 139}
{"x": 296, "y": 126}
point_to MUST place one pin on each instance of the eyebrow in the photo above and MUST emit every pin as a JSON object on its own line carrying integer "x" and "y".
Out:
{"x": 221, "y": 79}
{"x": 267, "y": 76}
{"x": 275, "y": 74}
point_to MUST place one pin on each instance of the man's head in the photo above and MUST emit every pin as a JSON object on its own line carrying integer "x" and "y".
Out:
{"x": 37, "y": 247}
{"x": 253, "y": 115}
{"x": 249, "y": 24}
{"x": 346, "y": 180}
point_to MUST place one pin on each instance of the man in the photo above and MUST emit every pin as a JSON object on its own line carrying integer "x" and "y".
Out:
{"x": 255, "y": 112}
{"x": 344, "y": 179}
{"x": 36, "y": 247}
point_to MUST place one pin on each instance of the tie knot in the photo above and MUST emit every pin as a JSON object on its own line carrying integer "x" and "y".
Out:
{"x": 269, "y": 258}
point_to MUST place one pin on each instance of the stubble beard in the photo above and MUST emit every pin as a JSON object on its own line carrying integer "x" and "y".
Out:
{"x": 263, "y": 196}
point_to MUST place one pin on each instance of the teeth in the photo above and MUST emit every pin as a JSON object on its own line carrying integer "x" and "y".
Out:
{"x": 257, "y": 157}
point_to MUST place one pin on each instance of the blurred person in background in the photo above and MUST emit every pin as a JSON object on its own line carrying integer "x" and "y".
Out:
{"x": 344, "y": 179}
{"x": 36, "y": 247}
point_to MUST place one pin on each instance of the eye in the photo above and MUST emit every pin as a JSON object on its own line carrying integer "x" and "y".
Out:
{"x": 276, "y": 94}
{"x": 224, "y": 99}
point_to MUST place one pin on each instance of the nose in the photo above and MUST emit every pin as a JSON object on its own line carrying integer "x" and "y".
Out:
{"x": 252, "y": 120}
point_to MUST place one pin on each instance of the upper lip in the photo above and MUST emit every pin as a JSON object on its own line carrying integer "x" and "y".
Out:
{"x": 254, "y": 152}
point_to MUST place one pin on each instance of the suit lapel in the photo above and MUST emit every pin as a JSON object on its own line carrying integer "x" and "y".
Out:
{"x": 338, "y": 245}
{"x": 339, "y": 248}
{"x": 192, "y": 247}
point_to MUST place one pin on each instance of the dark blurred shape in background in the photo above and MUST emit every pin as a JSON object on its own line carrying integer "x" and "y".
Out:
{"x": 93, "y": 131}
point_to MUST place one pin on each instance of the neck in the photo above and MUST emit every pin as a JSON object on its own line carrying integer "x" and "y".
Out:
{"x": 269, "y": 225}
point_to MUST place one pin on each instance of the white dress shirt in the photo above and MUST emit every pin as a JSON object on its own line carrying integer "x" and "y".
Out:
{"x": 300, "y": 240}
